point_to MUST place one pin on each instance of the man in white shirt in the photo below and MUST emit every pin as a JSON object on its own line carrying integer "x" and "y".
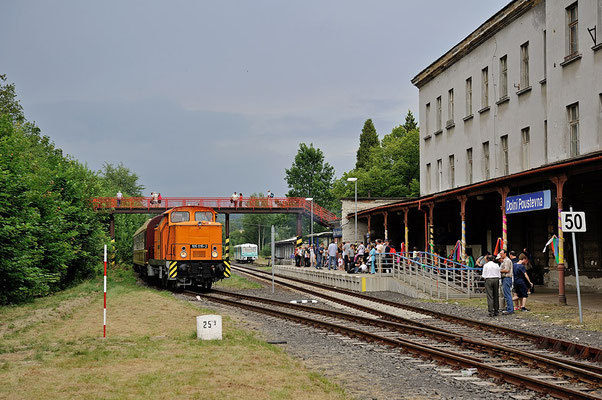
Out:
{"x": 332, "y": 255}
{"x": 379, "y": 247}
{"x": 119, "y": 197}
{"x": 346, "y": 260}
{"x": 491, "y": 274}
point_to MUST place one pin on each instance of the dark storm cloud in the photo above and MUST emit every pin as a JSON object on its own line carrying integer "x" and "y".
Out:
{"x": 203, "y": 98}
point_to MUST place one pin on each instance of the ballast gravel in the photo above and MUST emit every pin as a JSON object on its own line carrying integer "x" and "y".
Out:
{"x": 370, "y": 371}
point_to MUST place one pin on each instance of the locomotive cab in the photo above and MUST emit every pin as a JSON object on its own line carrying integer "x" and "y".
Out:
{"x": 185, "y": 248}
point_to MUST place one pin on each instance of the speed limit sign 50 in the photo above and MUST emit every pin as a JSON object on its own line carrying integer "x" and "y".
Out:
{"x": 573, "y": 221}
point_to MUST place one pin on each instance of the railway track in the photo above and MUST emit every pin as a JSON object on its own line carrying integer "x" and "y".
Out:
{"x": 447, "y": 322}
{"x": 433, "y": 335}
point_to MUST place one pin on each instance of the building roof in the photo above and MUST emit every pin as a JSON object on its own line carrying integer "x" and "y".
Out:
{"x": 587, "y": 161}
{"x": 290, "y": 240}
{"x": 501, "y": 19}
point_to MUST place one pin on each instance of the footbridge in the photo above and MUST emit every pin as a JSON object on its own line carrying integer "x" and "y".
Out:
{"x": 221, "y": 205}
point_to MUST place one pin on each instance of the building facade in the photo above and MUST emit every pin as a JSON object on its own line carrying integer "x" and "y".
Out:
{"x": 512, "y": 110}
{"x": 521, "y": 92}
{"x": 348, "y": 207}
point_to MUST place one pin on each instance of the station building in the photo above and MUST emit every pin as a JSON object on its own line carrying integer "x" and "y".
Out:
{"x": 511, "y": 114}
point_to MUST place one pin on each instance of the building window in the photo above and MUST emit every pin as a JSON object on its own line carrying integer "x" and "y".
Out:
{"x": 426, "y": 119}
{"x": 525, "y": 135}
{"x": 428, "y": 178}
{"x": 450, "y": 107}
{"x": 469, "y": 165}
{"x": 452, "y": 171}
{"x": 439, "y": 174}
{"x": 503, "y": 77}
{"x": 485, "y": 87}
{"x": 469, "y": 96}
{"x": 504, "y": 148}
{"x": 438, "y": 113}
{"x": 573, "y": 114}
{"x": 545, "y": 55}
{"x": 545, "y": 141}
{"x": 524, "y": 66}
{"x": 486, "y": 160}
{"x": 572, "y": 20}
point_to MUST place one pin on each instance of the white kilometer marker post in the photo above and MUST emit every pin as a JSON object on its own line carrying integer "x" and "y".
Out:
{"x": 104, "y": 316}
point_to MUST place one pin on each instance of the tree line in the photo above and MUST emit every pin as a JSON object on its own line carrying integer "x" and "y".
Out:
{"x": 50, "y": 237}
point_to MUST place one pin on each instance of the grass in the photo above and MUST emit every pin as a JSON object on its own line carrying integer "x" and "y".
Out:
{"x": 53, "y": 348}
{"x": 545, "y": 311}
{"x": 237, "y": 282}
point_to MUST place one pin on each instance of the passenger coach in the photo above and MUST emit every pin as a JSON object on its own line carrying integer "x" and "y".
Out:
{"x": 181, "y": 248}
{"x": 245, "y": 252}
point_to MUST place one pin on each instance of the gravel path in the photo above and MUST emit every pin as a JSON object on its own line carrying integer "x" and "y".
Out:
{"x": 369, "y": 371}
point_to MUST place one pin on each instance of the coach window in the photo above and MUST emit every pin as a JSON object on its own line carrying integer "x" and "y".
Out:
{"x": 203, "y": 216}
{"x": 180, "y": 216}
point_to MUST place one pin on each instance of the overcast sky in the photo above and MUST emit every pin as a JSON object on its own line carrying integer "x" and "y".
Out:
{"x": 204, "y": 98}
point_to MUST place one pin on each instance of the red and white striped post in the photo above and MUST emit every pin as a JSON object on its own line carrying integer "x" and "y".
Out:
{"x": 104, "y": 316}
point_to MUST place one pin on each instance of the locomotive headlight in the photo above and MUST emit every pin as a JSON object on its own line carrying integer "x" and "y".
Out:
{"x": 214, "y": 252}
{"x": 183, "y": 254}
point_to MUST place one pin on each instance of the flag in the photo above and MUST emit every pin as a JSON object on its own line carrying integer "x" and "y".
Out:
{"x": 554, "y": 241}
{"x": 499, "y": 245}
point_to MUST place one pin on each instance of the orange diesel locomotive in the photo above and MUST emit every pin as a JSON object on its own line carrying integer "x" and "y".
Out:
{"x": 181, "y": 247}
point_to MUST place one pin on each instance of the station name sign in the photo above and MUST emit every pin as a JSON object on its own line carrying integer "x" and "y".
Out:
{"x": 528, "y": 202}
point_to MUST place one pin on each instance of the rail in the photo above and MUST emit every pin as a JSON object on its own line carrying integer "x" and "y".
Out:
{"x": 220, "y": 203}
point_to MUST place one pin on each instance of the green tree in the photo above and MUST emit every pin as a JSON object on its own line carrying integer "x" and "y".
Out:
{"x": 49, "y": 234}
{"x": 393, "y": 168}
{"x": 120, "y": 178}
{"x": 310, "y": 176}
{"x": 368, "y": 141}
{"x": 9, "y": 105}
{"x": 410, "y": 123}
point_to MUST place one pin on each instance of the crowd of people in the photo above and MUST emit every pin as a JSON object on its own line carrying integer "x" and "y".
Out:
{"x": 507, "y": 269}
{"x": 350, "y": 257}
{"x": 156, "y": 198}
{"x": 236, "y": 200}
{"x": 516, "y": 284}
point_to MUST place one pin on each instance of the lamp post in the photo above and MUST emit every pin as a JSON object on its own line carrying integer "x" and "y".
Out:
{"x": 312, "y": 218}
{"x": 354, "y": 180}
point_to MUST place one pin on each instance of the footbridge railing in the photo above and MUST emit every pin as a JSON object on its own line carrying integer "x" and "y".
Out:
{"x": 430, "y": 273}
{"x": 246, "y": 204}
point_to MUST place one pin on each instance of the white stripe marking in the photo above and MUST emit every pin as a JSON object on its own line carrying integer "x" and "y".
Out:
{"x": 303, "y": 301}
{"x": 105, "y": 283}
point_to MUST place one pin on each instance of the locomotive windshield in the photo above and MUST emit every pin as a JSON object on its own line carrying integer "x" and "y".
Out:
{"x": 180, "y": 216}
{"x": 203, "y": 216}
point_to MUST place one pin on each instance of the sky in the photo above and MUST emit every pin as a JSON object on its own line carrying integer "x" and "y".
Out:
{"x": 203, "y": 98}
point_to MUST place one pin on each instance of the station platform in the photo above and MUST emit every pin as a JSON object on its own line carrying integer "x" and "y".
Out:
{"x": 387, "y": 282}
{"x": 589, "y": 300}
{"x": 356, "y": 282}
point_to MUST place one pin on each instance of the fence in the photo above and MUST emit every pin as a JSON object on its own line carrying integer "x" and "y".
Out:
{"x": 431, "y": 273}
{"x": 247, "y": 203}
